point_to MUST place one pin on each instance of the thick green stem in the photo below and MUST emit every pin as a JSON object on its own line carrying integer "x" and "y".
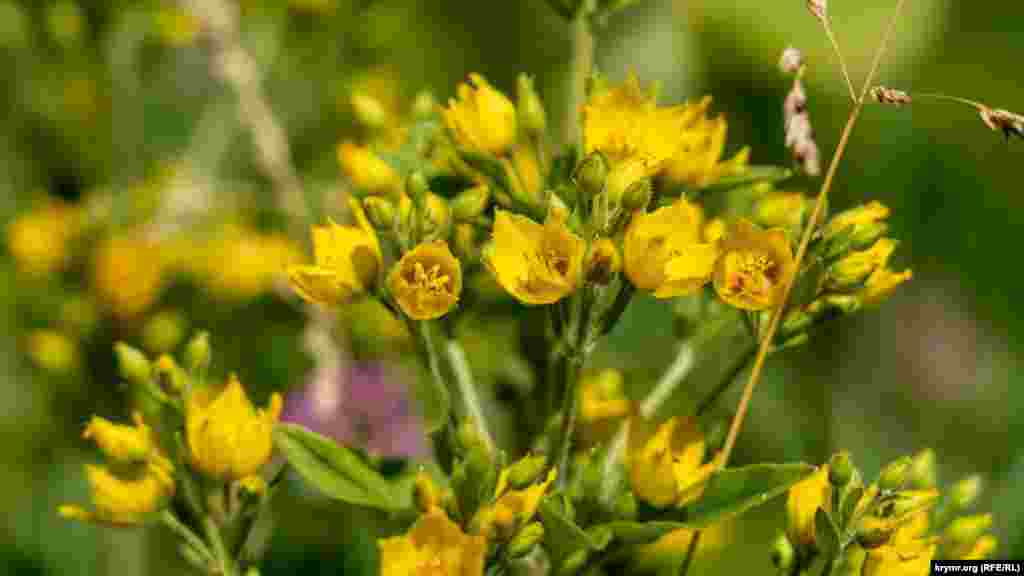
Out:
{"x": 225, "y": 563}
{"x": 582, "y": 65}
{"x": 570, "y": 408}
{"x": 467, "y": 389}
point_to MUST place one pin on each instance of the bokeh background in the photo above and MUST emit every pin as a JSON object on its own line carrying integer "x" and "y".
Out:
{"x": 113, "y": 97}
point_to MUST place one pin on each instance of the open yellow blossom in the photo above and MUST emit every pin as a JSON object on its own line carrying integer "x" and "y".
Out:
{"x": 347, "y": 260}
{"x": 536, "y": 264}
{"x": 802, "y": 503}
{"x": 427, "y": 281}
{"x": 121, "y": 442}
{"x": 698, "y": 162}
{"x": 665, "y": 461}
{"x": 664, "y": 252}
{"x": 482, "y": 118}
{"x": 52, "y": 351}
{"x": 905, "y": 559}
{"x": 38, "y": 240}
{"x": 754, "y": 267}
{"x": 634, "y": 135}
{"x": 128, "y": 274}
{"x": 881, "y": 283}
{"x": 367, "y": 171}
{"x": 227, "y": 437}
{"x": 123, "y": 500}
{"x": 512, "y": 508}
{"x": 435, "y": 546}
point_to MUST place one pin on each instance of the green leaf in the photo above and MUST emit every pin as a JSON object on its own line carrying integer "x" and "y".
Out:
{"x": 488, "y": 165}
{"x": 736, "y": 490}
{"x": 826, "y": 535}
{"x": 338, "y": 472}
{"x": 637, "y": 533}
{"x": 562, "y": 537}
{"x": 848, "y": 504}
{"x": 753, "y": 174}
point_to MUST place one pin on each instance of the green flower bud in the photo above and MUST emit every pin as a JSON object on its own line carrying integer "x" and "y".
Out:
{"x": 417, "y": 188}
{"x": 894, "y": 476}
{"x": 795, "y": 321}
{"x": 379, "y": 211}
{"x": 590, "y": 174}
{"x": 637, "y": 195}
{"x": 574, "y": 563}
{"x": 965, "y": 492}
{"x": 840, "y": 469}
{"x": 525, "y": 540}
{"x": 368, "y": 110}
{"x": 922, "y": 470}
{"x": 424, "y": 105}
{"x": 169, "y": 375}
{"x": 526, "y": 471}
{"x": 798, "y": 340}
{"x": 163, "y": 332}
{"x": 529, "y": 107}
{"x": 133, "y": 364}
{"x": 470, "y": 203}
{"x": 967, "y": 529}
{"x": 783, "y": 553}
{"x": 197, "y": 352}
{"x": 845, "y": 303}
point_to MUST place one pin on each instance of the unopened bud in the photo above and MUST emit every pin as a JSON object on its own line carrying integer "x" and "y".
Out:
{"x": 524, "y": 472}
{"x": 379, "y": 211}
{"x": 965, "y": 492}
{"x": 424, "y": 105}
{"x": 922, "y": 470}
{"x": 855, "y": 267}
{"x": 840, "y": 469}
{"x": 471, "y": 203}
{"x": 132, "y": 364}
{"x": 525, "y": 540}
{"x": 894, "y": 476}
{"x": 967, "y": 529}
{"x": 425, "y": 493}
{"x": 163, "y": 332}
{"x": 796, "y": 321}
{"x": 197, "y": 352}
{"x": 783, "y": 553}
{"x": 637, "y": 195}
{"x": 591, "y": 173}
{"x": 529, "y": 107}
{"x": 603, "y": 262}
{"x": 848, "y": 221}
{"x": 464, "y": 242}
{"x": 436, "y": 216}
{"x": 368, "y": 111}
{"x": 417, "y": 188}
{"x": 844, "y": 303}
{"x": 169, "y": 375}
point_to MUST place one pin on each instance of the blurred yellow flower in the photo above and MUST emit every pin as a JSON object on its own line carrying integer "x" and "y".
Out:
{"x": 243, "y": 263}
{"x": 123, "y": 500}
{"x": 434, "y": 546}
{"x": 227, "y": 437}
{"x": 905, "y": 559}
{"x": 176, "y": 26}
{"x": 128, "y": 274}
{"x": 512, "y": 508}
{"x": 536, "y": 264}
{"x": 665, "y": 461}
{"x": 120, "y": 442}
{"x": 781, "y": 209}
{"x": 664, "y": 252}
{"x": 981, "y": 549}
{"x": 52, "y": 351}
{"x": 482, "y": 118}
{"x": 881, "y": 284}
{"x": 754, "y": 267}
{"x": 673, "y": 547}
{"x": 427, "y": 281}
{"x": 347, "y": 258}
{"x": 602, "y": 398}
{"x": 698, "y": 159}
{"x": 873, "y": 212}
{"x": 367, "y": 171}
{"x": 38, "y": 240}
{"x": 802, "y": 503}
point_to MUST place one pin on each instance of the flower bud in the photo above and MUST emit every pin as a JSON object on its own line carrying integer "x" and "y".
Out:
{"x": 52, "y": 351}
{"x": 526, "y": 471}
{"x": 471, "y": 203}
{"x": 967, "y": 529}
{"x": 965, "y": 492}
{"x": 120, "y": 442}
{"x": 436, "y": 216}
{"x": 424, "y": 105}
{"x": 637, "y": 195}
{"x": 783, "y": 553}
{"x": 855, "y": 267}
{"x": 169, "y": 375}
{"x": 163, "y": 332}
{"x": 380, "y": 211}
{"x": 529, "y": 107}
{"x": 132, "y": 364}
{"x": 840, "y": 469}
{"x": 525, "y": 540}
{"x": 368, "y": 110}
{"x": 464, "y": 242}
{"x": 426, "y": 494}
{"x": 197, "y": 352}
{"x": 844, "y": 303}
{"x": 368, "y": 172}
{"x": 922, "y": 470}
{"x": 894, "y": 476}
{"x": 854, "y": 228}
{"x": 590, "y": 175}
{"x": 253, "y": 486}
{"x": 603, "y": 262}
{"x": 796, "y": 321}
{"x": 417, "y": 188}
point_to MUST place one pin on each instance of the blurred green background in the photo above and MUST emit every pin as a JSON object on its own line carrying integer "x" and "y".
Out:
{"x": 94, "y": 97}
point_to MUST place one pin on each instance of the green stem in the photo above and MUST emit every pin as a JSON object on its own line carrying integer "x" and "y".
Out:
{"x": 582, "y": 65}
{"x": 220, "y": 551}
{"x": 427, "y": 344}
{"x": 734, "y": 372}
{"x": 467, "y": 389}
{"x": 570, "y": 408}
{"x": 185, "y": 533}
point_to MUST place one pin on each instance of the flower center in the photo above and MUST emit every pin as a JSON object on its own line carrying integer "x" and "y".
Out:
{"x": 430, "y": 280}
{"x": 556, "y": 263}
{"x": 754, "y": 273}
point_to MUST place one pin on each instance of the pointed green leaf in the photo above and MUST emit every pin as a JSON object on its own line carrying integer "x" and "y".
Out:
{"x": 337, "y": 471}
{"x": 736, "y": 490}
{"x": 562, "y": 537}
{"x": 826, "y": 535}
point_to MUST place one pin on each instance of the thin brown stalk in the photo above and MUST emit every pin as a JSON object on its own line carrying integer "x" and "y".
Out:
{"x": 762, "y": 352}
{"x": 842, "y": 61}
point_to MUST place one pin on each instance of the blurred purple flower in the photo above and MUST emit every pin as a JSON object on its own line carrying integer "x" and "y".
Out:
{"x": 364, "y": 405}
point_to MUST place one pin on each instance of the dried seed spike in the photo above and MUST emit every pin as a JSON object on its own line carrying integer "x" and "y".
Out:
{"x": 819, "y": 8}
{"x": 1007, "y": 122}
{"x": 792, "y": 60}
{"x": 799, "y": 132}
{"x": 884, "y": 95}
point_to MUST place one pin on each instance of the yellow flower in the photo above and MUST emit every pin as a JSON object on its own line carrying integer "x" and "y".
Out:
{"x": 857, "y": 266}
{"x": 872, "y": 213}
{"x": 52, "y": 351}
{"x": 367, "y": 171}
{"x": 634, "y": 135}
{"x": 528, "y": 170}
{"x": 781, "y": 209}
{"x": 482, "y": 118}
{"x": 124, "y": 500}
{"x": 120, "y": 442}
{"x": 536, "y": 264}
{"x": 177, "y": 27}
{"x": 242, "y": 263}
{"x": 754, "y": 267}
{"x": 512, "y": 508}
{"x": 906, "y": 559}
{"x": 38, "y": 240}
{"x": 435, "y": 546}
{"x": 347, "y": 261}
{"x": 802, "y": 503}
{"x": 663, "y": 251}
{"x": 698, "y": 160}
{"x": 881, "y": 284}
{"x": 227, "y": 437}
{"x": 672, "y": 548}
{"x": 601, "y": 397}
{"x": 128, "y": 274}
{"x": 665, "y": 463}
{"x": 427, "y": 281}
